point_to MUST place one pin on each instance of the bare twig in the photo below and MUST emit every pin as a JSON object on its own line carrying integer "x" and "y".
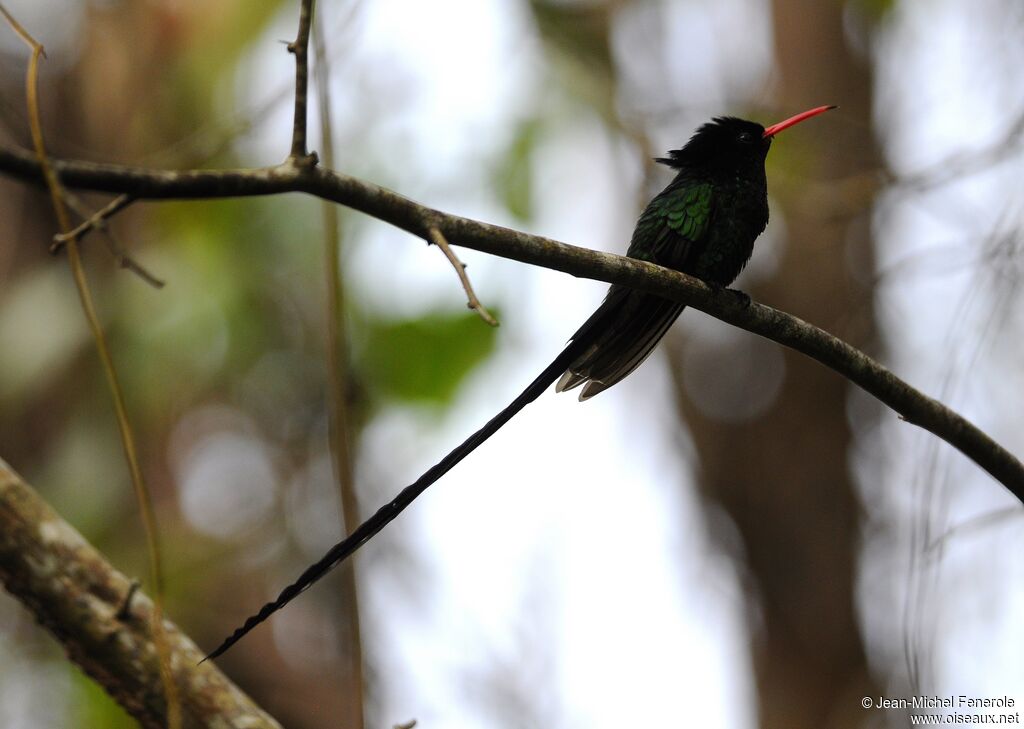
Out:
{"x": 339, "y": 428}
{"x": 974, "y": 525}
{"x": 17, "y": 27}
{"x": 214, "y": 137}
{"x": 300, "y": 48}
{"x": 438, "y": 239}
{"x": 78, "y": 596}
{"x": 130, "y": 264}
{"x": 98, "y": 221}
{"x": 383, "y": 204}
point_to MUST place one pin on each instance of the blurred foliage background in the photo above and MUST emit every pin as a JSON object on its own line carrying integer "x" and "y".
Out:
{"x": 731, "y": 538}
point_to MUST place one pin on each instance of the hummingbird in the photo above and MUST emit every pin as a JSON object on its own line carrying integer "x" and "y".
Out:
{"x": 704, "y": 223}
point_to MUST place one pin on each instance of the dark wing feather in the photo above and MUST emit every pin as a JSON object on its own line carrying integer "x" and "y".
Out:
{"x": 670, "y": 232}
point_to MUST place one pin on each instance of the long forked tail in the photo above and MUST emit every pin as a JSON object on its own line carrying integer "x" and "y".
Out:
{"x": 343, "y": 549}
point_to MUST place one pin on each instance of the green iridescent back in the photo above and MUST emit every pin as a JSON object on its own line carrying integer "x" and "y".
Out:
{"x": 675, "y": 230}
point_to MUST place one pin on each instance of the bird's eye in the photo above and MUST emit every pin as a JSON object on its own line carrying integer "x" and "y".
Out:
{"x": 746, "y": 137}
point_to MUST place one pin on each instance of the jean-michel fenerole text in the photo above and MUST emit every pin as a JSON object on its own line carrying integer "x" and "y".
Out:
{"x": 945, "y": 702}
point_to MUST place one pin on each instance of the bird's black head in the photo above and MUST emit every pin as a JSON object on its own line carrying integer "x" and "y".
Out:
{"x": 725, "y": 143}
{"x": 729, "y": 144}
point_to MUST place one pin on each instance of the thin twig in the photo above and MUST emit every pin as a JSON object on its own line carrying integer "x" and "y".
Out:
{"x": 383, "y": 204}
{"x": 98, "y": 221}
{"x": 300, "y": 49}
{"x": 438, "y": 239}
{"x": 973, "y": 525}
{"x": 37, "y": 48}
{"x": 339, "y": 428}
{"x": 130, "y": 264}
{"x": 214, "y": 137}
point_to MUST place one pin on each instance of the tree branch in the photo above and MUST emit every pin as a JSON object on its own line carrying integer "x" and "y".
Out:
{"x": 103, "y": 622}
{"x": 378, "y": 202}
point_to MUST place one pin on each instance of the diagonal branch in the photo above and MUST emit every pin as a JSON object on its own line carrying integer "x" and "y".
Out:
{"x": 914, "y": 406}
{"x": 103, "y": 622}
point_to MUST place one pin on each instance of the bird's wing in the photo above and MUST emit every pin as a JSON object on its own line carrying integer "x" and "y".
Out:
{"x": 629, "y": 324}
{"x": 673, "y": 226}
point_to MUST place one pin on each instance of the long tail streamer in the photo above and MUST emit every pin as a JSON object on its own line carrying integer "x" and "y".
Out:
{"x": 369, "y": 528}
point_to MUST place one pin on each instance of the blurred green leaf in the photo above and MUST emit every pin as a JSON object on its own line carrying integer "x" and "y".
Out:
{"x": 874, "y": 10}
{"x": 92, "y": 706}
{"x": 424, "y": 360}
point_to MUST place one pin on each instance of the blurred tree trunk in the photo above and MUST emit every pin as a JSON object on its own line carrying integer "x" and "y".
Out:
{"x": 783, "y": 474}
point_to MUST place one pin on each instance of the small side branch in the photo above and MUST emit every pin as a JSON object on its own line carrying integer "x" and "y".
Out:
{"x": 300, "y": 49}
{"x": 96, "y": 221}
{"x": 438, "y": 239}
